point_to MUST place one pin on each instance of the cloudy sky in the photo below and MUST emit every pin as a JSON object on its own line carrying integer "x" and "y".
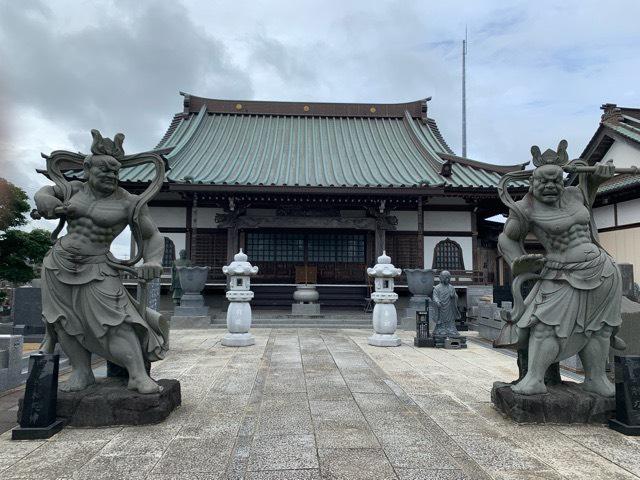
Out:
{"x": 537, "y": 71}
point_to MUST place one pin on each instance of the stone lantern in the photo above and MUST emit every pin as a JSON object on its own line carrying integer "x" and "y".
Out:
{"x": 385, "y": 318}
{"x": 239, "y": 295}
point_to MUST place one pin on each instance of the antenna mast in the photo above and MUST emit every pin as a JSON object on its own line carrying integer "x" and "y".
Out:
{"x": 464, "y": 94}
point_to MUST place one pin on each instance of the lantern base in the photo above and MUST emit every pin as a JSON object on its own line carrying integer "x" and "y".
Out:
{"x": 238, "y": 340}
{"x": 384, "y": 340}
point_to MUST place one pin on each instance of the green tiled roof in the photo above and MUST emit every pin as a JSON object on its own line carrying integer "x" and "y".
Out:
{"x": 218, "y": 142}
{"x": 619, "y": 182}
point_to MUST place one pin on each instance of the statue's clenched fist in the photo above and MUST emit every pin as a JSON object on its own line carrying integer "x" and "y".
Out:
{"x": 149, "y": 271}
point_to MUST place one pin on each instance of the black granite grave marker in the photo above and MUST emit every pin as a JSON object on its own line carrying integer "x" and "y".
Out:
{"x": 423, "y": 338}
{"x": 38, "y": 419}
{"x": 627, "y": 377}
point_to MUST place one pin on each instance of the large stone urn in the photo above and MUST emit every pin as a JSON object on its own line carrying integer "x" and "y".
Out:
{"x": 239, "y": 295}
{"x": 192, "y": 312}
{"x": 306, "y": 301}
{"x": 385, "y": 318}
{"x": 420, "y": 283}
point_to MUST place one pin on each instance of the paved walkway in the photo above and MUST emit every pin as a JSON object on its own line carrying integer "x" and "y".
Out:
{"x": 309, "y": 404}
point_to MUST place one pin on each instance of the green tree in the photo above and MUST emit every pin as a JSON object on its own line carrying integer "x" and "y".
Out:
{"x": 19, "y": 250}
{"x": 14, "y": 204}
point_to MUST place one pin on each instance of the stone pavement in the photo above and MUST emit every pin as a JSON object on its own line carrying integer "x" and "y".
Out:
{"x": 313, "y": 403}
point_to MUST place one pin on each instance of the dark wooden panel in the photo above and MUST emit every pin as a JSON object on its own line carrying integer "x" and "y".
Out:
{"x": 211, "y": 251}
{"x": 403, "y": 248}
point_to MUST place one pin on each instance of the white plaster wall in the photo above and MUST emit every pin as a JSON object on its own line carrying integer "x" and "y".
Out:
{"x": 604, "y": 216}
{"x": 465, "y": 244}
{"x": 169, "y": 216}
{"x": 453, "y": 221}
{"x": 629, "y": 212}
{"x": 406, "y": 220}
{"x": 623, "y": 154}
{"x": 207, "y": 216}
{"x": 178, "y": 239}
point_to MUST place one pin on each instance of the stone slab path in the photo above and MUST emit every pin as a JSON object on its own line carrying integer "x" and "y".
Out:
{"x": 312, "y": 403}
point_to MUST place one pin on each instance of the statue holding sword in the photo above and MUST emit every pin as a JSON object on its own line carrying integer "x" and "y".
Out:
{"x": 574, "y": 306}
{"x": 86, "y": 308}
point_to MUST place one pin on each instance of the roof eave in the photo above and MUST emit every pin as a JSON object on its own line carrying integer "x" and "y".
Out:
{"x": 485, "y": 166}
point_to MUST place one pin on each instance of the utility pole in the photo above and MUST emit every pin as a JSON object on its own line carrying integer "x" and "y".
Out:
{"x": 464, "y": 94}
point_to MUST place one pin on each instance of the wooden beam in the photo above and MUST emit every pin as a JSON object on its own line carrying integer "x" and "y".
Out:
{"x": 420, "y": 236}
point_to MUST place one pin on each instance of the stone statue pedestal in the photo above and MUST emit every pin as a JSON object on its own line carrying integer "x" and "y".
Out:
{"x": 564, "y": 403}
{"x": 108, "y": 403}
{"x": 450, "y": 342}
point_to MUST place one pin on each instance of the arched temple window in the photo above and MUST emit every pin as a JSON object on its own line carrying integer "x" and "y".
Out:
{"x": 447, "y": 255}
{"x": 169, "y": 254}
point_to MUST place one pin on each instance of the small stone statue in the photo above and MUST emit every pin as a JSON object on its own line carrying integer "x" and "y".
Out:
{"x": 574, "y": 307}
{"x": 176, "y": 288}
{"x": 446, "y": 300}
{"x": 85, "y": 305}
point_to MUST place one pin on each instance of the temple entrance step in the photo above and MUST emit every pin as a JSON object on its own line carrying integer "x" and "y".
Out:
{"x": 340, "y": 296}
{"x": 290, "y": 321}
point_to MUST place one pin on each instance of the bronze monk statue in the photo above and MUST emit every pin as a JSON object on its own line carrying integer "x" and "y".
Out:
{"x": 86, "y": 308}
{"x": 574, "y": 306}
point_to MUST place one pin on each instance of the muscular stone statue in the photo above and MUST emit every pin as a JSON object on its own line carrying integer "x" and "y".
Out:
{"x": 176, "y": 288}
{"x": 574, "y": 307}
{"x": 85, "y": 305}
{"x": 446, "y": 300}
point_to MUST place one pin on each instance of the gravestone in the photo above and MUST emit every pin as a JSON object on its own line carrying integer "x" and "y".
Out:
{"x": 10, "y": 361}
{"x": 26, "y": 313}
{"x": 627, "y": 380}
{"x": 626, "y": 270}
{"x": 37, "y": 413}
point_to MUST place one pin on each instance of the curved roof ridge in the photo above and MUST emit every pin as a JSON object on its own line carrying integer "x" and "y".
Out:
{"x": 484, "y": 166}
{"x": 417, "y": 108}
{"x": 427, "y": 151}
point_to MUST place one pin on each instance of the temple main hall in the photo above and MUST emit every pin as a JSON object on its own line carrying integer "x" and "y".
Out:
{"x": 314, "y": 192}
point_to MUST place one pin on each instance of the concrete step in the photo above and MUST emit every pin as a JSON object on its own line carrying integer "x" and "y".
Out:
{"x": 317, "y": 325}
{"x": 300, "y": 321}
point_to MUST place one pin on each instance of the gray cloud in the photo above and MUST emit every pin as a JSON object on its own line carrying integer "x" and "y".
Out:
{"x": 121, "y": 73}
{"x": 537, "y": 72}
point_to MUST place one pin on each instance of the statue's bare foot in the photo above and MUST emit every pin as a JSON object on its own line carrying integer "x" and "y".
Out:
{"x": 79, "y": 380}
{"x": 144, "y": 385}
{"x": 529, "y": 386}
{"x": 600, "y": 385}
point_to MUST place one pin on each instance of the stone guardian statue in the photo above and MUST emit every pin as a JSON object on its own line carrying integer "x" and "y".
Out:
{"x": 176, "y": 287}
{"x": 85, "y": 305}
{"x": 574, "y": 306}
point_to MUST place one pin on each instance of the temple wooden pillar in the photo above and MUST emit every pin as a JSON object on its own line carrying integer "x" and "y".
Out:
{"x": 194, "y": 229}
{"x": 232, "y": 240}
{"x": 420, "y": 237}
{"x": 380, "y": 239}
{"x": 189, "y": 228}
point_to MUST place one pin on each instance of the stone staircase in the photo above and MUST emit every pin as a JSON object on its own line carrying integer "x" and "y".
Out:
{"x": 283, "y": 319}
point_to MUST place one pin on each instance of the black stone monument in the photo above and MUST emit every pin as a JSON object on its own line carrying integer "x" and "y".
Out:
{"x": 627, "y": 378}
{"x": 38, "y": 413}
{"x": 423, "y": 338}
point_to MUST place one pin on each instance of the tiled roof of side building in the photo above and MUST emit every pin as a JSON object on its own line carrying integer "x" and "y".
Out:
{"x": 280, "y": 144}
{"x": 622, "y": 121}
